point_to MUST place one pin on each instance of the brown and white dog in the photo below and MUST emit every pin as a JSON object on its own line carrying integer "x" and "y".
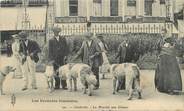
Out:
{"x": 4, "y": 71}
{"x": 132, "y": 75}
{"x": 72, "y": 71}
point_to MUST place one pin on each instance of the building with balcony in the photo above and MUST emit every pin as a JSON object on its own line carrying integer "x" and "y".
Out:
{"x": 87, "y": 8}
{"x": 115, "y": 16}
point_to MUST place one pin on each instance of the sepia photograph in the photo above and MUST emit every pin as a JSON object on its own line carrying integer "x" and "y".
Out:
{"x": 92, "y": 55}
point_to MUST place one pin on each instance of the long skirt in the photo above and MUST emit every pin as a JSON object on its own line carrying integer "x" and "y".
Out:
{"x": 168, "y": 75}
{"x": 106, "y": 65}
{"x": 17, "y": 64}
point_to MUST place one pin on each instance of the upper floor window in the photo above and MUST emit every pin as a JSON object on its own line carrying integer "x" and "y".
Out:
{"x": 97, "y": 7}
{"x": 97, "y": 1}
{"x": 131, "y": 2}
{"x": 148, "y": 7}
{"x": 73, "y": 7}
{"x": 162, "y": 1}
{"x": 114, "y": 7}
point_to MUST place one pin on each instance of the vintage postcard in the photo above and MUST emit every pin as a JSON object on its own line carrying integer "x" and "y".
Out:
{"x": 92, "y": 55}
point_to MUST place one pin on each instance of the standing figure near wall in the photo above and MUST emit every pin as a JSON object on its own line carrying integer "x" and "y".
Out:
{"x": 58, "y": 52}
{"x": 106, "y": 65}
{"x": 122, "y": 51}
{"x": 16, "y": 56}
{"x": 167, "y": 73}
{"x": 91, "y": 54}
{"x": 29, "y": 50}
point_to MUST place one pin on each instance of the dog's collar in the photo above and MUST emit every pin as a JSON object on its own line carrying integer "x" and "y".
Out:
{"x": 3, "y": 74}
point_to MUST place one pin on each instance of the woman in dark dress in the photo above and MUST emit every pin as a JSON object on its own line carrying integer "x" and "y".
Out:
{"x": 167, "y": 74}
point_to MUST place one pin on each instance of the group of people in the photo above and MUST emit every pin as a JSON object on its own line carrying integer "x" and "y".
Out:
{"x": 90, "y": 53}
{"x": 93, "y": 53}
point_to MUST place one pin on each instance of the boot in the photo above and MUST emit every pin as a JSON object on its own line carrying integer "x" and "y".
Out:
{"x": 57, "y": 82}
{"x": 64, "y": 84}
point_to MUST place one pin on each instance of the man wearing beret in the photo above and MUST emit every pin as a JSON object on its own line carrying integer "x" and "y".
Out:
{"x": 90, "y": 53}
{"x": 29, "y": 50}
{"x": 58, "y": 51}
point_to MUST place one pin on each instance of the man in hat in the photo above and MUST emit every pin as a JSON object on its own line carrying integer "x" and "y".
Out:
{"x": 122, "y": 50}
{"x": 29, "y": 50}
{"x": 58, "y": 51}
{"x": 91, "y": 54}
{"x": 16, "y": 56}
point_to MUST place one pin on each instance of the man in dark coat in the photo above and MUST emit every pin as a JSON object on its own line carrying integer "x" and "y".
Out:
{"x": 91, "y": 54}
{"x": 122, "y": 50}
{"x": 58, "y": 51}
{"x": 29, "y": 50}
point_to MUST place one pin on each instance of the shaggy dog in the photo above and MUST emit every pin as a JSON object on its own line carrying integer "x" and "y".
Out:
{"x": 132, "y": 75}
{"x": 4, "y": 71}
{"x": 72, "y": 71}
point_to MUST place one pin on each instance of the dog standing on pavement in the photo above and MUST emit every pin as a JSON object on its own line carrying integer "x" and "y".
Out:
{"x": 72, "y": 71}
{"x": 49, "y": 73}
{"x": 4, "y": 71}
{"x": 132, "y": 75}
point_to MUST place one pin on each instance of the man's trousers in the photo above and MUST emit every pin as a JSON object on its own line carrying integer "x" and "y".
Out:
{"x": 28, "y": 69}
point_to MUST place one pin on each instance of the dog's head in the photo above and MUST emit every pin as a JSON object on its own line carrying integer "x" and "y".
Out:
{"x": 7, "y": 69}
{"x": 92, "y": 79}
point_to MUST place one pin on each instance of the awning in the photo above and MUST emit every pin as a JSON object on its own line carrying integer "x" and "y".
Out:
{"x": 11, "y": 18}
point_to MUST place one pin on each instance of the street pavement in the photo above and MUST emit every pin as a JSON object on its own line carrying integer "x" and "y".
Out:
{"x": 101, "y": 100}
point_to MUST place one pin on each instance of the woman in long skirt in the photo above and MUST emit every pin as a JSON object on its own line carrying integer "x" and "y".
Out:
{"x": 16, "y": 57}
{"x": 167, "y": 74}
{"x": 106, "y": 65}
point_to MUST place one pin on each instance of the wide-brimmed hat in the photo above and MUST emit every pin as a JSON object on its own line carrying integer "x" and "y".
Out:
{"x": 56, "y": 29}
{"x": 23, "y": 34}
{"x": 15, "y": 36}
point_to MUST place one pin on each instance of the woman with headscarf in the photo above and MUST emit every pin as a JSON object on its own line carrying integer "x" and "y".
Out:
{"x": 167, "y": 74}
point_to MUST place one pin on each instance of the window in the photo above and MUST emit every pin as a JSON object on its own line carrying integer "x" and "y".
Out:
{"x": 148, "y": 7}
{"x": 114, "y": 7}
{"x": 73, "y": 7}
{"x": 162, "y": 1}
{"x": 97, "y": 7}
{"x": 97, "y": 1}
{"x": 131, "y": 2}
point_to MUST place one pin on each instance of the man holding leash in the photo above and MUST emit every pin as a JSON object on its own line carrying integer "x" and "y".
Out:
{"x": 91, "y": 54}
{"x": 29, "y": 50}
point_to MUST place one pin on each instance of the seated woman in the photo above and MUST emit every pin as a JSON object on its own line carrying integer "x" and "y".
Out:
{"x": 167, "y": 74}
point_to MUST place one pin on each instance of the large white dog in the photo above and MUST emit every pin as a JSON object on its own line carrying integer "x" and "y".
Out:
{"x": 4, "y": 71}
{"x": 132, "y": 75}
{"x": 71, "y": 72}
